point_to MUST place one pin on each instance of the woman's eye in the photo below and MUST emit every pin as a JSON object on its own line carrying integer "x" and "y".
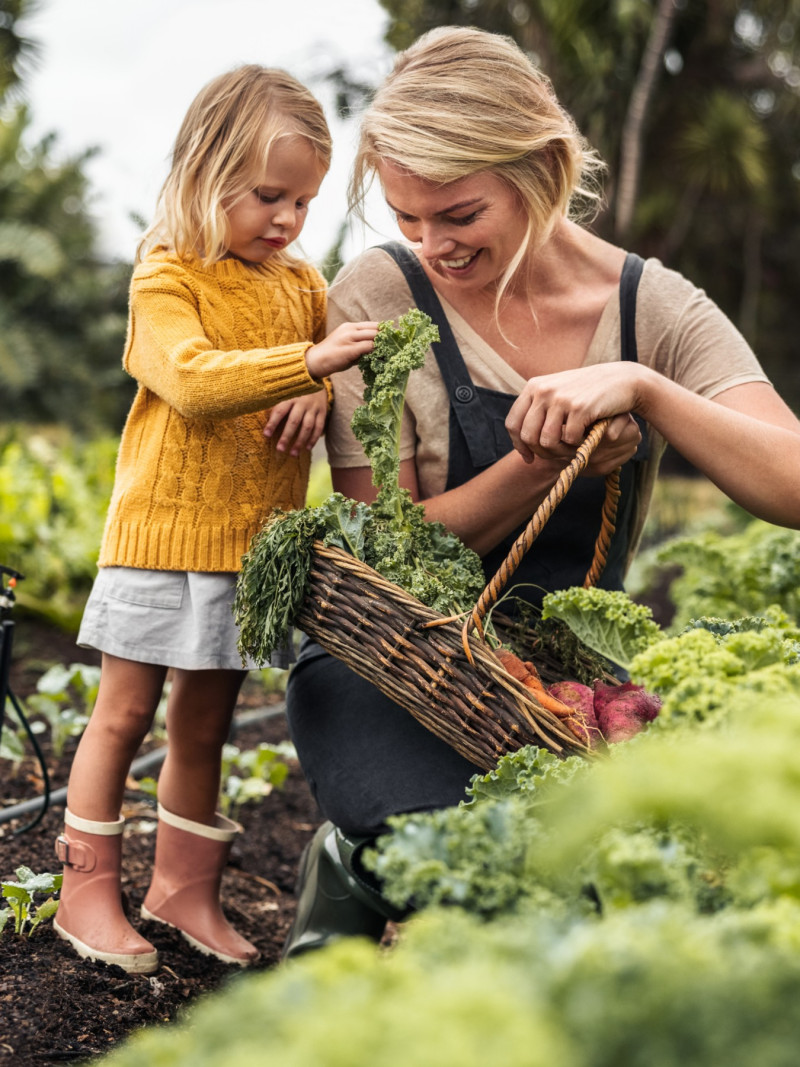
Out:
{"x": 464, "y": 220}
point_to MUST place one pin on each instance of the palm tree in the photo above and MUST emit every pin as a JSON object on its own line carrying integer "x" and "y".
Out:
{"x": 17, "y": 53}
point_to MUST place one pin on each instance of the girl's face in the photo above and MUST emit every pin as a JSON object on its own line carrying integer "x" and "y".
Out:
{"x": 468, "y": 231}
{"x": 272, "y": 215}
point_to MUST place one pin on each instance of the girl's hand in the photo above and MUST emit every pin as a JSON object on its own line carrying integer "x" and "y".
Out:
{"x": 341, "y": 348}
{"x": 299, "y": 422}
{"x": 554, "y": 412}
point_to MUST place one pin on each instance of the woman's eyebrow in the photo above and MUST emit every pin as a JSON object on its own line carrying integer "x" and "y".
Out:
{"x": 445, "y": 211}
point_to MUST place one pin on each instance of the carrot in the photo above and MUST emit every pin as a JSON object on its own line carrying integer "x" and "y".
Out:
{"x": 526, "y": 673}
{"x": 513, "y": 665}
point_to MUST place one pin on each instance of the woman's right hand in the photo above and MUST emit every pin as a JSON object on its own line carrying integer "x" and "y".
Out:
{"x": 554, "y": 412}
{"x": 341, "y": 348}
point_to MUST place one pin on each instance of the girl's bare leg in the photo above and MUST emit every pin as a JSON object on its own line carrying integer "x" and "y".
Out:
{"x": 127, "y": 699}
{"x": 199, "y": 713}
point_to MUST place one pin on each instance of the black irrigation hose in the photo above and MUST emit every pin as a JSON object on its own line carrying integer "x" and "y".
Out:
{"x": 46, "y": 798}
{"x": 148, "y": 762}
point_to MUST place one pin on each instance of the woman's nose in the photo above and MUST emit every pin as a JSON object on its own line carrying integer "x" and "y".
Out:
{"x": 434, "y": 243}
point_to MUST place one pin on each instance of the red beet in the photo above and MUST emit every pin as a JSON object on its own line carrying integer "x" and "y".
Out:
{"x": 581, "y": 699}
{"x": 622, "y": 711}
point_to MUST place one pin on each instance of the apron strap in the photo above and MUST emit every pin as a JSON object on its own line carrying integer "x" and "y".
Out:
{"x": 465, "y": 401}
{"x": 628, "y": 287}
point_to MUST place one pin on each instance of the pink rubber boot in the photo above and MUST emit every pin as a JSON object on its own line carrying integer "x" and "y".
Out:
{"x": 184, "y": 892}
{"x": 90, "y": 914}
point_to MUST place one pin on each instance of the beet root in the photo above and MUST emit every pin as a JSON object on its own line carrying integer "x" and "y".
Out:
{"x": 622, "y": 711}
{"x": 581, "y": 699}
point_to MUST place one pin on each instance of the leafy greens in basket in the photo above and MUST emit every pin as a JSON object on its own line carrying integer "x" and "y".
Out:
{"x": 391, "y": 535}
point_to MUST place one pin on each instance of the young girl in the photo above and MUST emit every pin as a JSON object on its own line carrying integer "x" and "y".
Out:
{"x": 224, "y": 324}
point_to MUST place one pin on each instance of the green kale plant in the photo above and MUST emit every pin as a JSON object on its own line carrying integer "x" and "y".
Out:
{"x": 608, "y": 621}
{"x": 741, "y": 574}
{"x": 392, "y": 535}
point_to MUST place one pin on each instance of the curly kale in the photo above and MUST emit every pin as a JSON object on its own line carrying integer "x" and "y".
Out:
{"x": 391, "y": 536}
{"x": 422, "y": 557}
{"x": 606, "y": 620}
{"x": 385, "y": 370}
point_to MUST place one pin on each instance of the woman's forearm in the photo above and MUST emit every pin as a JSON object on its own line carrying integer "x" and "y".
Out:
{"x": 746, "y": 441}
{"x": 494, "y": 503}
{"x": 483, "y": 510}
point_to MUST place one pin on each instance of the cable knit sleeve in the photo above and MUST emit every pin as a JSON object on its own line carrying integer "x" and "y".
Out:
{"x": 181, "y": 324}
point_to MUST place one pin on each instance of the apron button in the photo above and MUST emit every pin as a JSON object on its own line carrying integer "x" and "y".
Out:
{"x": 464, "y": 393}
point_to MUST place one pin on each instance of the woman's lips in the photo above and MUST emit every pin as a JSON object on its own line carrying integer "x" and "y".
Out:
{"x": 457, "y": 264}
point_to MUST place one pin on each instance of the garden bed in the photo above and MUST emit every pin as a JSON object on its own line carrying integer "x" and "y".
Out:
{"x": 57, "y": 1008}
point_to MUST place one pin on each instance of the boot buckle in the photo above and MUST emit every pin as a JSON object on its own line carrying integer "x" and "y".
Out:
{"x": 75, "y": 854}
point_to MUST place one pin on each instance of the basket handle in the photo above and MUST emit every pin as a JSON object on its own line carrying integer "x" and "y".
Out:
{"x": 540, "y": 517}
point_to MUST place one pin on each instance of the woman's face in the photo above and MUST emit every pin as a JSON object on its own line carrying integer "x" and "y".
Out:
{"x": 467, "y": 231}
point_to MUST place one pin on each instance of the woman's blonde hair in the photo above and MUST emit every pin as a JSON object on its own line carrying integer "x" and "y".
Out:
{"x": 221, "y": 152}
{"x": 461, "y": 100}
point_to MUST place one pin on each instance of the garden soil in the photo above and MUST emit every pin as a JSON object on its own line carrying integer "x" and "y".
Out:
{"x": 56, "y": 1008}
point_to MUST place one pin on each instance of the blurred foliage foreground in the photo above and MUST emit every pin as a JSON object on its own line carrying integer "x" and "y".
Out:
{"x": 638, "y": 910}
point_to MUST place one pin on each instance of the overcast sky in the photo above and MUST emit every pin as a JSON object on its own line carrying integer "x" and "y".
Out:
{"x": 120, "y": 74}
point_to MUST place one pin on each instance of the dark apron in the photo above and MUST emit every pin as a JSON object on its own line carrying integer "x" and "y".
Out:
{"x": 366, "y": 758}
{"x": 563, "y": 551}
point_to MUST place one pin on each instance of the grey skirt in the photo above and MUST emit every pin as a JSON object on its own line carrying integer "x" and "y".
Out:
{"x": 178, "y": 619}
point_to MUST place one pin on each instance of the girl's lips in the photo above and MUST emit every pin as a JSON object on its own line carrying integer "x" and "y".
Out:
{"x": 275, "y": 242}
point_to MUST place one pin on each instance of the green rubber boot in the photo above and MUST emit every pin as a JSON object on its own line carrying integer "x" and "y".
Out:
{"x": 334, "y": 895}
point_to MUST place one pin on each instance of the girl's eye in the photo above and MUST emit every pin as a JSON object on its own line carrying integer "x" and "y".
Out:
{"x": 266, "y": 198}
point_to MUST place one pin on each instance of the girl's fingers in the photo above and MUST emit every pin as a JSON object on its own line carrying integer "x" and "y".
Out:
{"x": 276, "y": 417}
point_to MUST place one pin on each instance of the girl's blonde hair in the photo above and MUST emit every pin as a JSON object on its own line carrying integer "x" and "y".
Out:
{"x": 461, "y": 100}
{"x": 221, "y": 153}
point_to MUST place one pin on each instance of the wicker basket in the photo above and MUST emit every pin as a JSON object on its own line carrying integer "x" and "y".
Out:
{"x": 436, "y": 668}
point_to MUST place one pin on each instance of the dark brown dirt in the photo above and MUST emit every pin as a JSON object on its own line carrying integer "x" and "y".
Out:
{"x": 57, "y": 1008}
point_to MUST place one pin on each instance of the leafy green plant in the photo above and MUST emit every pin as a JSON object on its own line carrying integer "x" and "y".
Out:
{"x": 608, "y": 621}
{"x": 64, "y": 699}
{"x": 54, "y": 493}
{"x": 22, "y": 900}
{"x": 12, "y": 745}
{"x": 273, "y": 680}
{"x": 252, "y": 774}
{"x": 653, "y": 986}
{"x": 741, "y": 574}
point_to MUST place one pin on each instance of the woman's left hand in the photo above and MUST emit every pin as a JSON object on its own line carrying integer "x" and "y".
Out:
{"x": 554, "y": 412}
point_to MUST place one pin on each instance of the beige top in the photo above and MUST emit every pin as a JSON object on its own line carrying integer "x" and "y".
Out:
{"x": 680, "y": 332}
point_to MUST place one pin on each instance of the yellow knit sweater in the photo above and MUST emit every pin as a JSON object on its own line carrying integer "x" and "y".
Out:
{"x": 212, "y": 348}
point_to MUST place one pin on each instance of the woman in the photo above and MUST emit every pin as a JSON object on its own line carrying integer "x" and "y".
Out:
{"x": 545, "y": 328}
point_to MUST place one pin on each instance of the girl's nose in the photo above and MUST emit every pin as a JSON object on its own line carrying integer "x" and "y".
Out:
{"x": 285, "y": 216}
